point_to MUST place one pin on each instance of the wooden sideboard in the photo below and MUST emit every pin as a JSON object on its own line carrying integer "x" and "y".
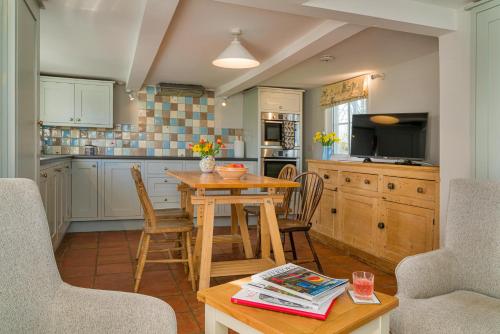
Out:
{"x": 378, "y": 212}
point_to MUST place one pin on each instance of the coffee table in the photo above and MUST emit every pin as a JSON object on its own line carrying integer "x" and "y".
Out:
{"x": 345, "y": 317}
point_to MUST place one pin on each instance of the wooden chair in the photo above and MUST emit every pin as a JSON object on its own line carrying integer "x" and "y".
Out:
{"x": 288, "y": 172}
{"x": 303, "y": 202}
{"x": 173, "y": 213}
{"x": 161, "y": 225}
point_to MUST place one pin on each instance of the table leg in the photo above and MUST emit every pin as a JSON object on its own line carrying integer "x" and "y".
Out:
{"x": 199, "y": 232}
{"x": 206, "y": 246}
{"x": 234, "y": 214}
{"x": 245, "y": 236}
{"x": 274, "y": 233}
{"x": 265, "y": 245}
{"x": 211, "y": 324}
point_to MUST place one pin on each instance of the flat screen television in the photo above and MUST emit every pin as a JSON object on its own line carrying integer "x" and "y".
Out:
{"x": 389, "y": 136}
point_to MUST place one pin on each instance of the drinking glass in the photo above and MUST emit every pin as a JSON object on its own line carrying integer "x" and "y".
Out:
{"x": 363, "y": 283}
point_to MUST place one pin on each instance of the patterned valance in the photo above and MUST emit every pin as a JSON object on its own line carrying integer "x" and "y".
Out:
{"x": 344, "y": 91}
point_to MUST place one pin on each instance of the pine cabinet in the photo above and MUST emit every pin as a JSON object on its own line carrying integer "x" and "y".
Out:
{"x": 76, "y": 102}
{"x": 85, "y": 188}
{"x": 378, "y": 212}
{"x": 119, "y": 192}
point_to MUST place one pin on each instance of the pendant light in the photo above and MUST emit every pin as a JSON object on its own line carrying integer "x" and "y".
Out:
{"x": 235, "y": 55}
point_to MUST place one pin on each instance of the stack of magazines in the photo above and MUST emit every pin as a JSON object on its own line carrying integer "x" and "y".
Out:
{"x": 292, "y": 289}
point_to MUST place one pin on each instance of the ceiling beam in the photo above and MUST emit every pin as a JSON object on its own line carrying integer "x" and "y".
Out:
{"x": 155, "y": 21}
{"x": 322, "y": 37}
{"x": 401, "y": 15}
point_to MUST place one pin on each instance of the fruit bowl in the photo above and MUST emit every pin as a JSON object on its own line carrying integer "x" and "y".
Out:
{"x": 231, "y": 171}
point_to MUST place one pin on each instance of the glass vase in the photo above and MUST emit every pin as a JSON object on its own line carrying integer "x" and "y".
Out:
{"x": 327, "y": 152}
{"x": 207, "y": 164}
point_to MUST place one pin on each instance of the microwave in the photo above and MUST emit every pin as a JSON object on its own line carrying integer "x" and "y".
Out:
{"x": 273, "y": 129}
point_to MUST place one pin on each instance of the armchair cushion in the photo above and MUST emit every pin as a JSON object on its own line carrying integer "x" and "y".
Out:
{"x": 78, "y": 310}
{"x": 459, "y": 312}
{"x": 427, "y": 275}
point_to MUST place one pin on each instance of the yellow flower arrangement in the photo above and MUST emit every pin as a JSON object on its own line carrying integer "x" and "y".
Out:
{"x": 326, "y": 139}
{"x": 206, "y": 148}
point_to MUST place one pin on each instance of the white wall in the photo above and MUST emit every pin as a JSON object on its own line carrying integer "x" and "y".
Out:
{"x": 230, "y": 116}
{"x": 455, "y": 69}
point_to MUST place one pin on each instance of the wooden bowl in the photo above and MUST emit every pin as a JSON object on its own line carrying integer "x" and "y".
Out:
{"x": 231, "y": 173}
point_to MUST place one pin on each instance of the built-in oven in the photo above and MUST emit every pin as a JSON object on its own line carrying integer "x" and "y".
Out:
{"x": 273, "y": 160}
{"x": 280, "y": 130}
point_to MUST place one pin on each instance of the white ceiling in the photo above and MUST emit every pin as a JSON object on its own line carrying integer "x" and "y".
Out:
{"x": 89, "y": 38}
{"x": 367, "y": 51}
{"x": 447, "y": 3}
{"x": 200, "y": 31}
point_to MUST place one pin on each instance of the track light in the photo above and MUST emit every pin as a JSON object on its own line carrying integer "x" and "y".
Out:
{"x": 224, "y": 102}
{"x": 131, "y": 96}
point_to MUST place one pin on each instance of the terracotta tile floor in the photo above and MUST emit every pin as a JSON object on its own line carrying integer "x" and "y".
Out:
{"x": 106, "y": 260}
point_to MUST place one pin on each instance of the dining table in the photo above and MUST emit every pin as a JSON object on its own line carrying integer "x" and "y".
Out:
{"x": 237, "y": 193}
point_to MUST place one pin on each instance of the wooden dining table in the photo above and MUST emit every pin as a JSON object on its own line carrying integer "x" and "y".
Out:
{"x": 205, "y": 202}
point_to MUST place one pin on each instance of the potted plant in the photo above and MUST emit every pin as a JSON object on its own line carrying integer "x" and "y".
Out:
{"x": 207, "y": 151}
{"x": 327, "y": 140}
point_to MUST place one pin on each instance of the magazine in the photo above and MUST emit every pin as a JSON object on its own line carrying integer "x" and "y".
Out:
{"x": 282, "y": 294}
{"x": 299, "y": 281}
{"x": 254, "y": 299}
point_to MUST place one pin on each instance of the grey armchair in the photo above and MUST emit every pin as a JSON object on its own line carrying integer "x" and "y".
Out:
{"x": 456, "y": 289}
{"x": 34, "y": 299}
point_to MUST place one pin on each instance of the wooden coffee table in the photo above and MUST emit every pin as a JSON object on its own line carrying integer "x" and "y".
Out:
{"x": 345, "y": 317}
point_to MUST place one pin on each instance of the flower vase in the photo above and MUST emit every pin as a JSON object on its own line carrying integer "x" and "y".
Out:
{"x": 327, "y": 153}
{"x": 207, "y": 164}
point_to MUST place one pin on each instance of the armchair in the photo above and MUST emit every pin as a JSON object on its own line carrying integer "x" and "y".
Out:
{"x": 456, "y": 289}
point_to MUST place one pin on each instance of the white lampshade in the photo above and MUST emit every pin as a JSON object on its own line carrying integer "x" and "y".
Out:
{"x": 235, "y": 56}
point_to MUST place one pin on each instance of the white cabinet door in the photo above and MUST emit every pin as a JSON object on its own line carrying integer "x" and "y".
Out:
{"x": 120, "y": 194}
{"x": 84, "y": 194}
{"x": 94, "y": 105}
{"x": 57, "y": 103}
{"x": 52, "y": 205}
{"x": 280, "y": 101}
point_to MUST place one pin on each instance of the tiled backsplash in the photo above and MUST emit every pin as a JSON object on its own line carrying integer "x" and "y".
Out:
{"x": 165, "y": 126}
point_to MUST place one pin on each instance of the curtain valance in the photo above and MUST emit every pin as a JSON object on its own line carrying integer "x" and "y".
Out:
{"x": 344, "y": 91}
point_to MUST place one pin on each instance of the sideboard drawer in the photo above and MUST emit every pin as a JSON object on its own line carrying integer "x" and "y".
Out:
{"x": 160, "y": 186}
{"x": 359, "y": 181}
{"x": 329, "y": 177}
{"x": 161, "y": 167}
{"x": 421, "y": 189}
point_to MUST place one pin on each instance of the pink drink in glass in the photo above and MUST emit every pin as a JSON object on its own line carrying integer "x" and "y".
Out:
{"x": 363, "y": 283}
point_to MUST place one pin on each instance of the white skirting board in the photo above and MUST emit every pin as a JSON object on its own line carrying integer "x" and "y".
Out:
{"x": 120, "y": 225}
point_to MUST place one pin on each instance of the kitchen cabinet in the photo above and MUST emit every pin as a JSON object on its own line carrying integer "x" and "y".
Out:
{"x": 55, "y": 190}
{"x": 120, "y": 194}
{"x": 76, "y": 102}
{"x": 84, "y": 182}
{"x": 327, "y": 211}
{"x": 278, "y": 100}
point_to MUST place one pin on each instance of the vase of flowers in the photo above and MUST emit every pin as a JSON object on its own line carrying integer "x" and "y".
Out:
{"x": 327, "y": 140}
{"x": 207, "y": 151}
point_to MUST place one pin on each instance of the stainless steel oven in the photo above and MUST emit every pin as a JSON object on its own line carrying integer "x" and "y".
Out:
{"x": 273, "y": 160}
{"x": 280, "y": 130}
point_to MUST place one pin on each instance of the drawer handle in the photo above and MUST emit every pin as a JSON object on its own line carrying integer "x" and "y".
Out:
{"x": 165, "y": 180}
{"x": 367, "y": 181}
{"x": 44, "y": 174}
{"x": 165, "y": 200}
{"x": 78, "y": 120}
{"x": 334, "y": 211}
{"x": 166, "y": 168}
{"x": 335, "y": 189}
{"x": 67, "y": 167}
{"x": 326, "y": 176}
{"x": 71, "y": 119}
{"x": 390, "y": 186}
{"x": 381, "y": 225}
{"x": 58, "y": 170}
{"x": 347, "y": 179}
{"x": 420, "y": 190}
{"x": 94, "y": 166}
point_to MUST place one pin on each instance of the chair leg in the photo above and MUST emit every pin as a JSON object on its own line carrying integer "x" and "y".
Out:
{"x": 294, "y": 252}
{"x": 316, "y": 259}
{"x": 190, "y": 261}
{"x": 184, "y": 246}
{"x": 142, "y": 261}
{"x": 257, "y": 242}
{"x": 140, "y": 245}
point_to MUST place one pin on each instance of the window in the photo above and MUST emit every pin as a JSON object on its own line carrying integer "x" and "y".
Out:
{"x": 339, "y": 120}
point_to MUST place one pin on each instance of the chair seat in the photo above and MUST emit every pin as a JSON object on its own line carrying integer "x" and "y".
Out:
{"x": 291, "y": 225}
{"x": 459, "y": 312}
{"x": 255, "y": 209}
{"x": 173, "y": 213}
{"x": 170, "y": 226}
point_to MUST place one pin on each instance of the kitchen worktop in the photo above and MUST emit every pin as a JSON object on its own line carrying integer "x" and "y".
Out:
{"x": 46, "y": 159}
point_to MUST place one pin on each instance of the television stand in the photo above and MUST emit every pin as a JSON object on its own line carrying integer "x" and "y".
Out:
{"x": 407, "y": 162}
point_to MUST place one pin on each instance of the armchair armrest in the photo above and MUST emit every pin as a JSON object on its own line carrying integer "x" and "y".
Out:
{"x": 78, "y": 310}
{"x": 427, "y": 275}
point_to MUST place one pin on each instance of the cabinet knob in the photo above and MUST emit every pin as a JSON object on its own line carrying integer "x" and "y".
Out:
{"x": 166, "y": 168}
{"x": 420, "y": 190}
{"x": 71, "y": 119}
{"x": 334, "y": 211}
{"x": 94, "y": 166}
{"x": 165, "y": 180}
{"x": 326, "y": 176}
{"x": 166, "y": 200}
{"x": 40, "y": 123}
{"x": 367, "y": 181}
{"x": 67, "y": 167}
{"x": 78, "y": 120}
{"x": 347, "y": 179}
{"x": 390, "y": 185}
{"x": 335, "y": 189}
{"x": 44, "y": 174}
{"x": 58, "y": 170}
{"x": 381, "y": 225}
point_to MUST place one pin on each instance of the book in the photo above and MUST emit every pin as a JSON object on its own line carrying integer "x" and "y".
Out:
{"x": 254, "y": 299}
{"x": 299, "y": 281}
{"x": 273, "y": 291}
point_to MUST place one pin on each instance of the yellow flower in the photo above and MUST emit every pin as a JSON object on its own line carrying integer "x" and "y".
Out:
{"x": 207, "y": 148}
{"x": 196, "y": 148}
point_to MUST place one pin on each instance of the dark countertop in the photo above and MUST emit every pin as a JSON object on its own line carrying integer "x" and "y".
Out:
{"x": 46, "y": 159}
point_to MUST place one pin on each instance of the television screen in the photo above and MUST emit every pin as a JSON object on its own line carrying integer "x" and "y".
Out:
{"x": 389, "y": 136}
